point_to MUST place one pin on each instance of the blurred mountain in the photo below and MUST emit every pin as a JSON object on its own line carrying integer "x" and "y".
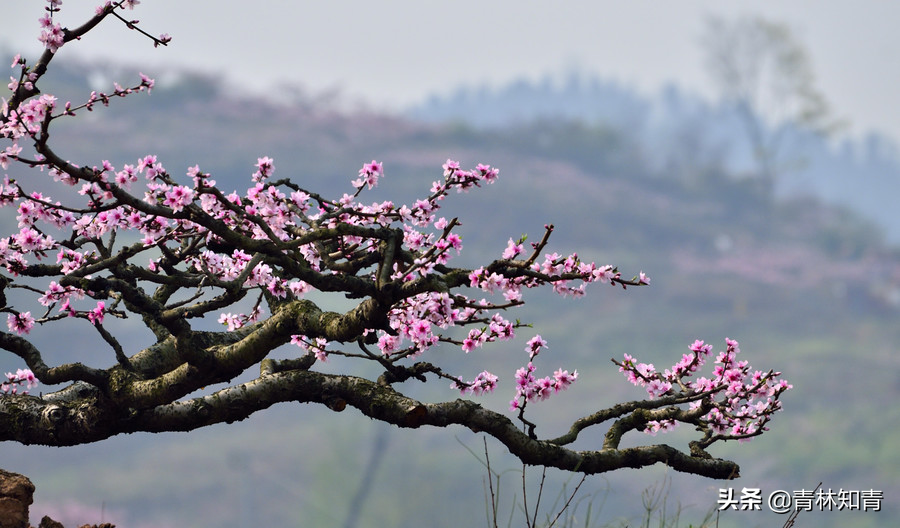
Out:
{"x": 808, "y": 288}
{"x": 682, "y": 133}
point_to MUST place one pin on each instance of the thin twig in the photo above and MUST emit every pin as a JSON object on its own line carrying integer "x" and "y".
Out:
{"x": 537, "y": 505}
{"x": 525, "y": 500}
{"x": 490, "y": 477}
{"x": 568, "y": 502}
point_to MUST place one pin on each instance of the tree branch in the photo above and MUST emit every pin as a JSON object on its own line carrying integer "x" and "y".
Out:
{"x": 373, "y": 400}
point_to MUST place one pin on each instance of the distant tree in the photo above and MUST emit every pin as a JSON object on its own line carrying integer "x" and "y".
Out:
{"x": 759, "y": 66}
{"x": 134, "y": 243}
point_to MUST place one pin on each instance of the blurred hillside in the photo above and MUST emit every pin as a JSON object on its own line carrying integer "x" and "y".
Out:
{"x": 681, "y": 134}
{"x": 808, "y": 288}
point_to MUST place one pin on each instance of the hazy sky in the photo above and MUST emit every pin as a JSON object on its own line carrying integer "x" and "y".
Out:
{"x": 394, "y": 53}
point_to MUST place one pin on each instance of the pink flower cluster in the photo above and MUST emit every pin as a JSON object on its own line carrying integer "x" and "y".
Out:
{"x": 557, "y": 270}
{"x": 264, "y": 168}
{"x": 368, "y": 175}
{"x": 741, "y": 400}
{"x": 52, "y": 35}
{"x": 529, "y": 388}
{"x": 317, "y": 346}
{"x": 20, "y": 323}
{"x": 21, "y": 377}
{"x": 25, "y": 120}
{"x": 484, "y": 383}
{"x": 63, "y": 294}
{"x": 234, "y": 321}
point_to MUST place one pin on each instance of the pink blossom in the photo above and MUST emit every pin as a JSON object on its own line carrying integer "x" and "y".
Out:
{"x": 230, "y": 320}
{"x": 178, "y": 197}
{"x": 298, "y": 288}
{"x": 27, "y": 376}
{"x": 53, "y": 293}
{"x": 484, "y": 383}
{"x": 52, "y": 35}
{"x": 657, "y": 388}
{"x": 20, "y": 323}
{"x": 541, "y": 389}
{"x": 699, "y": 347}
{"x": 316, "y": 346}
{"x": 368, "y": 175}
{"x": 562, "y": 379}
{"x": 420, "y": 330}
{"x": 512, "y": 250}
{"x": 660, "y": 426}
{"x": 147, "y": 82}
{"x": 22, "y": 376}
{"x": 455, "y": 242}
{"x": 276, "y": 288}
{"x": 126, "y": 176}
{"x": 29, "y": 239}
{"x": 450, "y": 167}
{"x": 8, "y": 153}
{"x": 534, "y": 345}
{"x": 603, "y": 274}
{"x": 703, "y": 384}
{"x": 146, "y": 162}
{"x": 96, "y": 315}
{"x": 388, "y": 344}
{"x": 264, "y": 168}
{"x": 488, "y": 174}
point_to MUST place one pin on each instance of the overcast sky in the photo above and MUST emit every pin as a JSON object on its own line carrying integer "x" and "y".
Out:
{"x": 395, "y": 53}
